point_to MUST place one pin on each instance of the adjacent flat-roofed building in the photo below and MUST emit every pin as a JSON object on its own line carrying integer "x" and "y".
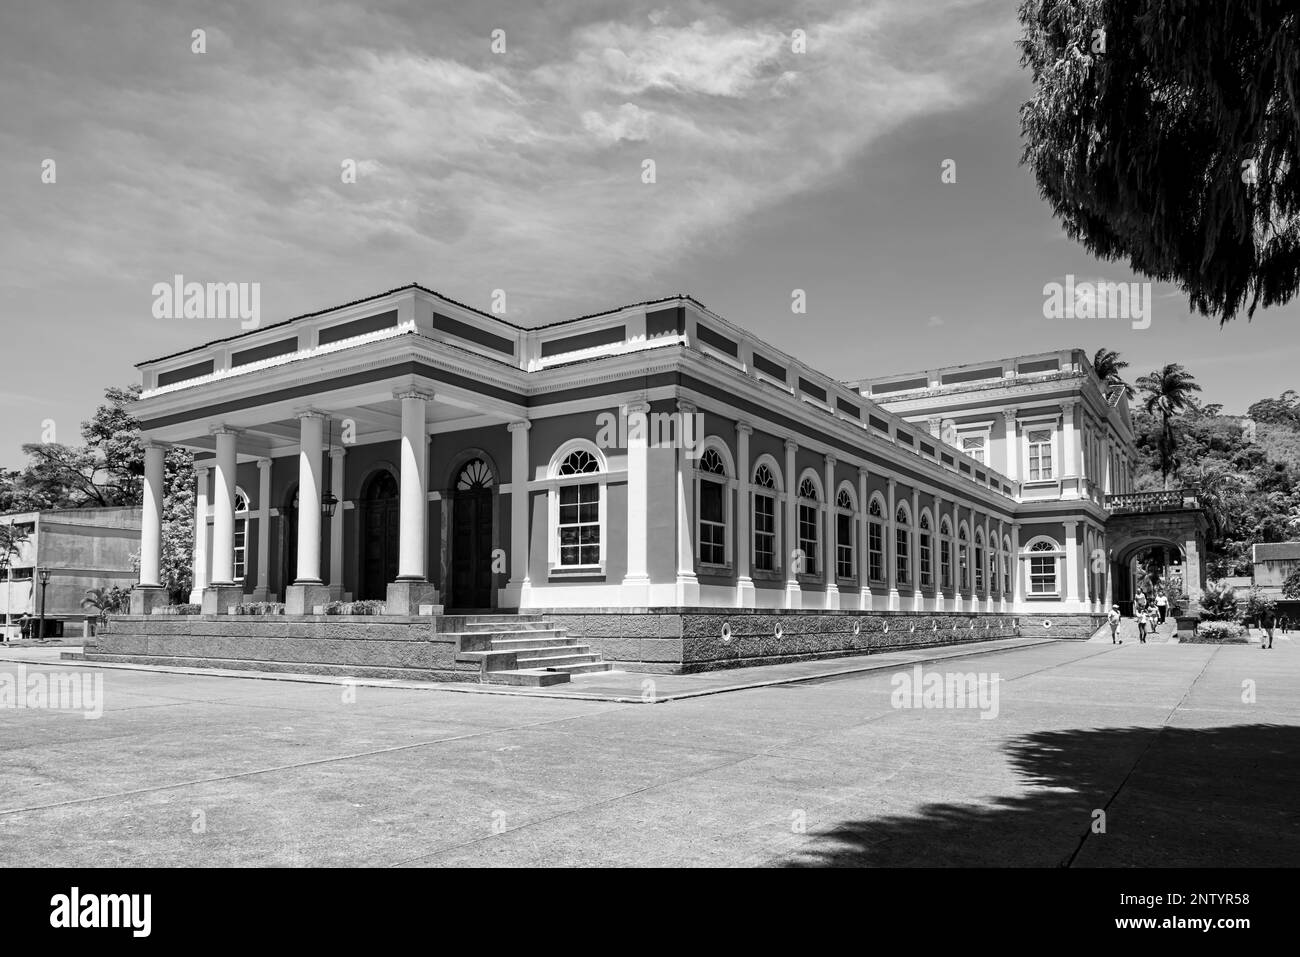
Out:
{"x": 83, "y": 548}
{"x": 1272, "y": 563}
{"x": 405, "y": 447}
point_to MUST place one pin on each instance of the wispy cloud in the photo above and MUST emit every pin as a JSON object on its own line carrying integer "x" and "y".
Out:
{"x": 521, "y": 171}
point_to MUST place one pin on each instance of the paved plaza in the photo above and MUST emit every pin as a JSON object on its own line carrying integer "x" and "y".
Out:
{"x": 1098, "y": 755}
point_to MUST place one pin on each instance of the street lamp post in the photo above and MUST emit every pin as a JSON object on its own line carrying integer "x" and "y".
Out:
{"x": 45, "y": 580}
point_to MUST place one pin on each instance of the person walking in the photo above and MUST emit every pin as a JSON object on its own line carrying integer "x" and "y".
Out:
{"x": 1162, "y": 606}
{"x": 1266, "y": 624}
{"x": 1113, "y": 617}
{"x": 1142, "y": 626}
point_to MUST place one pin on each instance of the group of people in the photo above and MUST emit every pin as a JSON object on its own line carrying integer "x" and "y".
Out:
{"x": 1152, "y": 614}
{"x": 1149, "y": 614}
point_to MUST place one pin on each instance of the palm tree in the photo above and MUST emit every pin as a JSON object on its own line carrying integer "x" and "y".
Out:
{"x": 106, "y": 601}
{"x": 1108, "y": 366}
{"x": 1167, "y": 392}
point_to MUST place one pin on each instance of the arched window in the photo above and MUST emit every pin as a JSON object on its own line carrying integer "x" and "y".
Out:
{"x": 713, "y": 501}
{"x": 577, "y": 507}
{"x": 764, "y": 512}
{"x": 927, "y": 573}
{"x": 945, "y": 554}
{"x": 994, "y": 578}
{"x": 241, "y": 535}
{"x": 876, "y": 540}
{"x": 1006, "y": 566}
{"x": 844, "y": 537}
{"x": 902, "y": 546}
{"x": 963, "y": 558}
{"x": 1044, "y": 554}
{"x": 979, "y": 560}
{"x": 808, "y": 544}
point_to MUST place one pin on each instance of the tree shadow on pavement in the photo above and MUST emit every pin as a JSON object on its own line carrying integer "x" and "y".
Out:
{"x": 1172, "y": 797}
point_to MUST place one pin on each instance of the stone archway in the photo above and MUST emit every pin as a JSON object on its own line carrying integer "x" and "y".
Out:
{"x": 1174, "y": 525}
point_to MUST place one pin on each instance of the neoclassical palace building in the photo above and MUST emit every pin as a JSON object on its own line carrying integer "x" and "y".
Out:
{"x": 410, "y": 449}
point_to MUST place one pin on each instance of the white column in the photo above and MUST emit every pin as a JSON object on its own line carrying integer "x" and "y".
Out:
{"x": 151, "y": 520}
{"x": 1004, "y": 565}
{"x": 914, "y": 563}
{"x": 223, "y": 510}
{"x": 412, "y": 541}
{"x": 744, "y": 506}
{"x": 954, "y": 554}
{"x": 688, "y": 585}
{"x": 791, "y": 519}
{"x": 1012, "y": 441}
{"x": 891, "y": 545}
{"x": 519, "y": 512}
{"x": 864, "y": 557}
{"x": 1069, "y": 441}
{"x": 828, "y": 541}
{"x": 336, "y": 524}
{"x": 637, "y": 577}
{"x": 202, "y": 479}
{"x": 311, "y": 436}
{"x": 1071, "y": 563}
{"x": 1017, "y": 570}
{"x": 936, "y": 557}
{"x": 262, "y": 590}
{"x": 988, "y": 550}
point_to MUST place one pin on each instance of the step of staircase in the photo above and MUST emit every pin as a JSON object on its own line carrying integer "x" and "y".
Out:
{"x": 526, "y": 678}
{"x": 526, "y": 651}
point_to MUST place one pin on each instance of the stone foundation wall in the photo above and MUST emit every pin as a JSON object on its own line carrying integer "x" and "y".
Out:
{"x": 690, "y": 640}
{"x": 332, "y": 644}
{"x": 1081, "y": 627}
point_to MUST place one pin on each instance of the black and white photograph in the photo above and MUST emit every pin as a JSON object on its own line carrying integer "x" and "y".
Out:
{"x": 763, "y": 435}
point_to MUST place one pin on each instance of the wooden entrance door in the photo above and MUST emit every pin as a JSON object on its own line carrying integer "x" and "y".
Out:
{"x": 379, "y": 529}
{"x": 472, "y": 507}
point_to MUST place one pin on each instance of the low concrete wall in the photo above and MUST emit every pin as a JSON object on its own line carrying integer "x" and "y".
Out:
{"x": 329, "y": 644}
{"x": 680, "y": 641}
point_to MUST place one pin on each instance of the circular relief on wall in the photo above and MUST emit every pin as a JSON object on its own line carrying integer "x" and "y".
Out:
{"x": 934, "y": 625}
{"x": 912, "y": 630}
{"x": 779, "y": 632}
{"x": 886, "y": 628}
{"x": 726, "y": 631}
{"x": 857, "y": 628}
{"x": 1047, "y": 623}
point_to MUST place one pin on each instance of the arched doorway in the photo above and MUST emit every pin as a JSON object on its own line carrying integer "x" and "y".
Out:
{"x": 473, "y": 503}
{"x": 1149, "y": 566}
{"x": 378, "y": 530}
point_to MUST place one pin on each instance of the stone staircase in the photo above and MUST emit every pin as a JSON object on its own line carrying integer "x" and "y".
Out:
{"x": 525, "y": 650}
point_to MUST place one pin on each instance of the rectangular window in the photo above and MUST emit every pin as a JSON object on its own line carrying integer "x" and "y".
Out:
{"x": 241, "y": 548}
{"x": 925, "y": 560}
{"x": 1040, "y": 454}
{"x": 901, "y": 538}
{"x": 945, "y": 564}
{"x": 993, "y": 571}
{"x": 579, "y": 525}
{"x": 973, "y": 445}
{"x": 844, "y": 546}
{"x": 713, "y": 527}
{"x": 1042, "y": 576}
{"x": 876, "y": 551}
{"x": 979, "y": 568}
{"x": 808, "y": 537}
{"x": 764, "y": 533}
{"x": 1006, "y": 577}
{"x": 963, "y": 565}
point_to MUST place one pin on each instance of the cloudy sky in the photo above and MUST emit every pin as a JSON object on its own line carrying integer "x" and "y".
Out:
{"x": 521, "y": 170}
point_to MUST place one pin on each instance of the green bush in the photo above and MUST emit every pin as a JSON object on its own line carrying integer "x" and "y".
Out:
{"x": 370, "y": 607}
{"x": 1219, "y": 602}
{"x": 1218, "y": 632}
{"x": 260, "y": 608}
